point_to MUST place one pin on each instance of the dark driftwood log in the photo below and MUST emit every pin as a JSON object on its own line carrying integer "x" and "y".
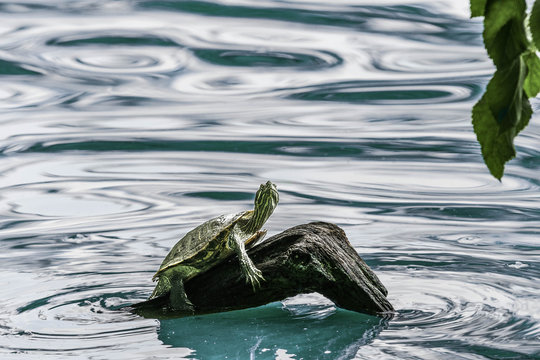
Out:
{"x": 315, "y": 257}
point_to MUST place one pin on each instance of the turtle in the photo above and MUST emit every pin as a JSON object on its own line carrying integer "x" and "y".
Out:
{"x": 210, "y": 244}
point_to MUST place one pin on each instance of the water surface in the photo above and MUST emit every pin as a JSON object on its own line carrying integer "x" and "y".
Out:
{"x": 126, "y": 123}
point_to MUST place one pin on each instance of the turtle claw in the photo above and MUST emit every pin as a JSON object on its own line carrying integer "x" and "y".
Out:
{"x": 254, "y": 277}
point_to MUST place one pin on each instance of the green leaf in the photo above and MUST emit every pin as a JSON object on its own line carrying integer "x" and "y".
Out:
{"x": 504, "y": 32}
{"x": 504, "y": 110}
{"x": 497, "y": 147}
{"x": 531, "y": 84}
{"x": 504, "y": 94}
{"x": 534, "y": 23}
{"x": 526, "y": 113}
{"x": 478, "y": 7}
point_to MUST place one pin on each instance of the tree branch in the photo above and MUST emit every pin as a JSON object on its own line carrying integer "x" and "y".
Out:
{"x": 315, "y": 257}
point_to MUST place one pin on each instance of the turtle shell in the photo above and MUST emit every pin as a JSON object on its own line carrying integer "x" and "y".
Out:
{"x": 198, "y": 239}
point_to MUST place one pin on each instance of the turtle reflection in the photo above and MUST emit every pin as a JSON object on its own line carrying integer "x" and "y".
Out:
{"x": 269, "y": 332}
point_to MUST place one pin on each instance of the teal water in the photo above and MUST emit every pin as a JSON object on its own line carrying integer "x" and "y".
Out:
{"x": 123, "y": 124}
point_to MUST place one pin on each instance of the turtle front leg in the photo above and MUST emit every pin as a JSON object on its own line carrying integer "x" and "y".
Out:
{"x": 252, "y": 274}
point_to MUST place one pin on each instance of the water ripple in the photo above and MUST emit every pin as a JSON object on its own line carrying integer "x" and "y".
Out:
{"x": 409, "y": 21}
{"x": 68, "y": 309}
{"x": 261, "y": 58}
{"x": 467, "y": 313}
{"x": 15, "y": 68}
{"x": 19, "y": 95}
{"x": 107, "y": 39}
{"x": 118, "y": 62}
{"x": 422, "y": 61}
{"x": 391, "y": 93}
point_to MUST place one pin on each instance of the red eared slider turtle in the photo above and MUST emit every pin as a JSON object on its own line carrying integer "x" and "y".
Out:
{"x": 212, "y": 242}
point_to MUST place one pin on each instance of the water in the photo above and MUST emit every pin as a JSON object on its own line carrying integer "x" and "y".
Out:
{"x": 126, "y": 123}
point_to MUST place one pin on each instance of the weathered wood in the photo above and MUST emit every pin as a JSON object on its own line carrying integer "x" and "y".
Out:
{"x": 315, "y": 257}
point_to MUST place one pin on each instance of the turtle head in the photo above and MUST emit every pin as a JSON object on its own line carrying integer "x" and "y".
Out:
{"x": 266, "y": 200}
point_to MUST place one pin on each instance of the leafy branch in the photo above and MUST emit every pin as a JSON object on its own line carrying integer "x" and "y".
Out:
{"x": 512, "y": 40}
